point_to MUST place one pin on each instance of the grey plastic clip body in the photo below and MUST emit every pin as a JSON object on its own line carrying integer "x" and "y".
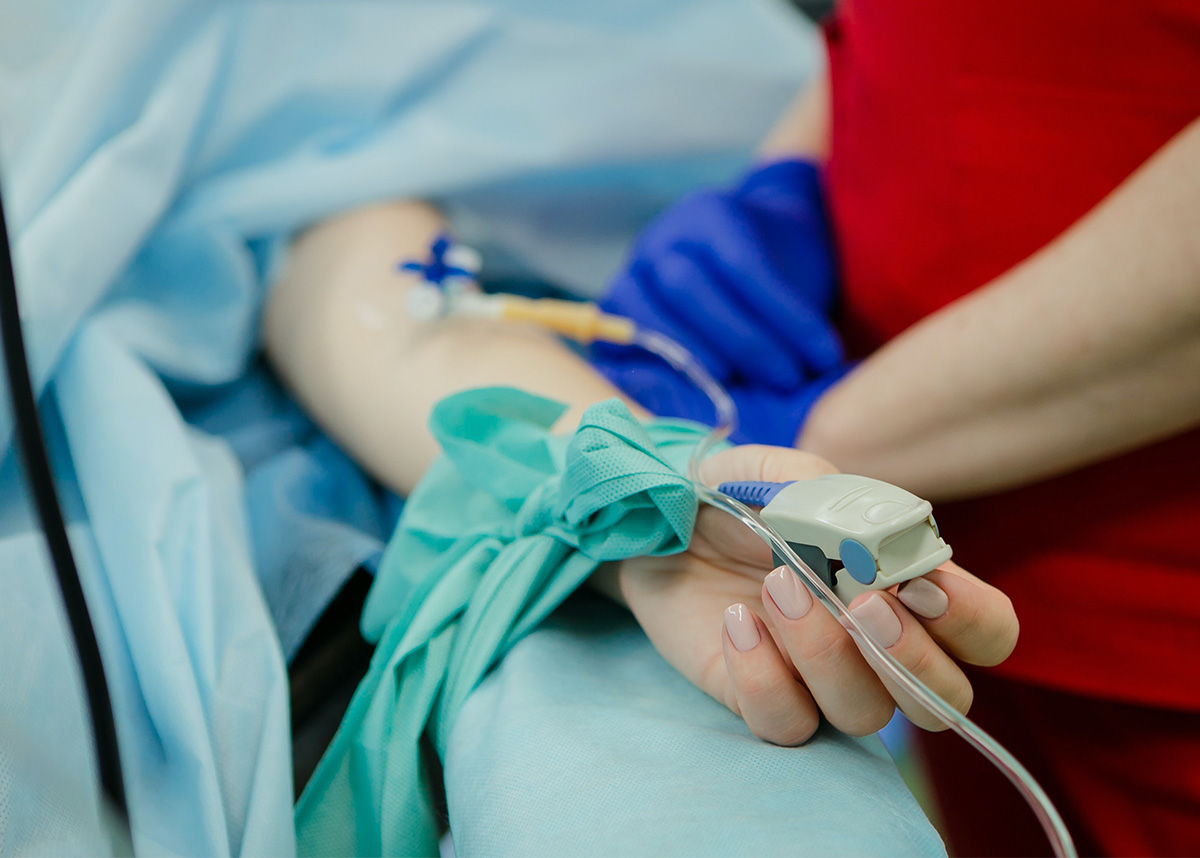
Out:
{"x": 857, "y": 533}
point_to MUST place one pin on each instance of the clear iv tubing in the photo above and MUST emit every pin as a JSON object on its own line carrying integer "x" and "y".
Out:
{"x": 726, "y": 413}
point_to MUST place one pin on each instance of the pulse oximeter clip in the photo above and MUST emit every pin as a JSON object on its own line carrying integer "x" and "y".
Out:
{"x": 855, "y": 533}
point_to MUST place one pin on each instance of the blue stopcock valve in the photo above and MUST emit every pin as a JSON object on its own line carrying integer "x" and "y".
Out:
{"x": 856, "y": 533}
{"x": 448, "y": 263}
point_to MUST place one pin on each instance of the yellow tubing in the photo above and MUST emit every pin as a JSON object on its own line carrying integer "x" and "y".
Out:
{"x": 580, "y": 321}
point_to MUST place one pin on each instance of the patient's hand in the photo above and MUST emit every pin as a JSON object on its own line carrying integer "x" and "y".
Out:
{"x": 780, "y": 659}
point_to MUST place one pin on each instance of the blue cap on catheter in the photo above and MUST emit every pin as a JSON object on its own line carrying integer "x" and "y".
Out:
{"x": 448, "y": 263}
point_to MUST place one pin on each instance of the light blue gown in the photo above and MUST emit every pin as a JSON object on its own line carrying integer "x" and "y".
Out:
{"x": 155, "y": 156}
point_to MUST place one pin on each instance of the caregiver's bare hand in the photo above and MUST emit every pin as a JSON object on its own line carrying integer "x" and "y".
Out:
{"x": 761, "y": 645}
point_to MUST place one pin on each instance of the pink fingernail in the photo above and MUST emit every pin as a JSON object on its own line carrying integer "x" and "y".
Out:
{"x": 924, "y": 598}
{"x": 789, "y": 594}
{"x": 878, "y": 618}
{"x": 739, "y": 622}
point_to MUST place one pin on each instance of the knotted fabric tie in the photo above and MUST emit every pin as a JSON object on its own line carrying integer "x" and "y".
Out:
{"x": 506, "y": 524}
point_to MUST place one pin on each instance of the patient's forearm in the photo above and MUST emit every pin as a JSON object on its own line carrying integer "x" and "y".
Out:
{"x": 337, "y": 332}
{"x": 1089, "y": 348}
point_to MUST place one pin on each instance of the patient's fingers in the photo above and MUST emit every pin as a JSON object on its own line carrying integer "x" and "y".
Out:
{"x": 774, "y": 705}
{"x": 844, "y": 686}
{"x": 891, "y": 626}
{"x": 970, "y": 618}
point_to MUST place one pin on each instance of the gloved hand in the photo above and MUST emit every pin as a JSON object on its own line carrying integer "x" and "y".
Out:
{"x": 764, "y": 416}
{"x": 742, "y": 278}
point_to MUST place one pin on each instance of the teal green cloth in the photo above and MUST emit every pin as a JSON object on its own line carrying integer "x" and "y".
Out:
{"x": 508, "y": 522}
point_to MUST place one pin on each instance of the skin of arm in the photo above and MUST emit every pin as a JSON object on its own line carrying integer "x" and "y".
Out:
{"x": 1089, "y": 348}
{"x": 803, "y": 130}
{"x": 337, "y": 331}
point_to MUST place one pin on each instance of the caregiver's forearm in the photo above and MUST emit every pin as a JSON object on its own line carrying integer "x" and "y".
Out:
{"x": 337, "y": 332}
{"x": 803, "y": 129}
{"x": 1089, "y": 348}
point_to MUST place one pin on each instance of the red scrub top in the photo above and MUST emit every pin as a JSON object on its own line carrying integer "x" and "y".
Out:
{"x": 966, "y": 135}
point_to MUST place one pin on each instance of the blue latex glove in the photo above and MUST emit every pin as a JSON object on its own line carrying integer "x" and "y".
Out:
{"x": 765, "y": 416}
{"x": 743, "y": 278}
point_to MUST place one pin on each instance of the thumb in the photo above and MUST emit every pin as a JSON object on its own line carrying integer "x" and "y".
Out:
{"x": 739, "y": 546}
{"x": 760, "y": 462}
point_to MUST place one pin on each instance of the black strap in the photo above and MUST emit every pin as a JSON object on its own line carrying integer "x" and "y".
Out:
{"x": 45, "y": 496}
